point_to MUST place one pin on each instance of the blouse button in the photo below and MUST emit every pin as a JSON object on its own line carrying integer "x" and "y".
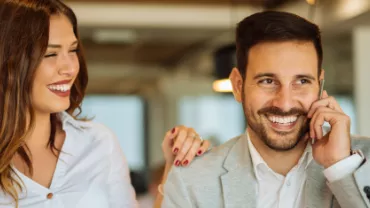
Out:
{"x": 49, "y": 196}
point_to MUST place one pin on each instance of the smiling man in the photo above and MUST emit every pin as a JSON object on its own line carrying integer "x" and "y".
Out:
{"x": 274, "y": 164}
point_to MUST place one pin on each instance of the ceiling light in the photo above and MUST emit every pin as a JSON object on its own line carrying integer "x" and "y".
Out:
{"x": 311, "y": 2}
{"x": 114, "y": 36}
{"x": 222, "y": 85}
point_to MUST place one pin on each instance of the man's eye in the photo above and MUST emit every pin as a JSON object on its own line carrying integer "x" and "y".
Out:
{"x": 266, "y": 81}
{"x": 304, "y": 81}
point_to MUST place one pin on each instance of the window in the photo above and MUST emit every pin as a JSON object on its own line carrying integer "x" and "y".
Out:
{"x": 348, "y": 106}
{"x": 124, "y": 115}
{"x": 218, "y": 118}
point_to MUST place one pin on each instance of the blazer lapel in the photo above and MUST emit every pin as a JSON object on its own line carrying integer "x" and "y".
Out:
{"x": 316, "y": 193}
{"x": 239, "y": 183}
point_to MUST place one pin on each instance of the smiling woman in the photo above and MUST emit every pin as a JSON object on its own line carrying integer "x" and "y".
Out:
{"x": 25, "y": 77}
{"x": 45, "y": 149}
{"x": 58, "y": 70}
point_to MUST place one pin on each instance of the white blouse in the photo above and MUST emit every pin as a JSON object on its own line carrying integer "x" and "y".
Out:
{"x": 91, "y": 172}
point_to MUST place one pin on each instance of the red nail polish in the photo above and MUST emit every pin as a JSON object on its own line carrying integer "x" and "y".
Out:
{"x": 185, "y": 163}
{"x": 199, "y": 152}
{"x": 177, "y": 163}
{"x": 176, "y": 150}
{"x": 173, "y": 130}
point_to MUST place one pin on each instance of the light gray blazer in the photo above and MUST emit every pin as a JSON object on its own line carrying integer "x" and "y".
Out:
{"x": 224, "y": 177}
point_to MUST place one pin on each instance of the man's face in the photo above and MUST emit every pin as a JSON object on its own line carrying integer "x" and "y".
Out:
{"x": 281, "y": 84}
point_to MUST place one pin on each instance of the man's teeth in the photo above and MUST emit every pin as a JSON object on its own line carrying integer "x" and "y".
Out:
{"x": 282, "y": 119}
{"x": 62, "y": 88}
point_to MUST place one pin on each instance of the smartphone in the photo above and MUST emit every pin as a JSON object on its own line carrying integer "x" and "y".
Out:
{"x": 321, "y": 87}
{"x": 322, "y": 82}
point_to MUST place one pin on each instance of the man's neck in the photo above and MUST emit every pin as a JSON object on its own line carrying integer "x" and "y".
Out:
{"x": 274, "y": 158}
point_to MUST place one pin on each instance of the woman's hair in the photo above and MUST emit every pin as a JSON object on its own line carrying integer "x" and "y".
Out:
{"x": 24, "y": 37}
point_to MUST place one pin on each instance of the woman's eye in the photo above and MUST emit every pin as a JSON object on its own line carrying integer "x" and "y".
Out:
{"x": 50, "y": 55}
{"x": 74, "y": 50}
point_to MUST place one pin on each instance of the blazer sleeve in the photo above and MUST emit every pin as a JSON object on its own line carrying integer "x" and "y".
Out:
{"x": 175, "y": 193}
{"x": 354, "y": 189}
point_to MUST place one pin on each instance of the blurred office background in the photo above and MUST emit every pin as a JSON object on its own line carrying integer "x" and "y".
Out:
{"x": 152, "y": 65}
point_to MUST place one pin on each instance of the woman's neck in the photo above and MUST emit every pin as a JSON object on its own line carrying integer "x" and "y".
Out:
{"x": 40, "y": 133}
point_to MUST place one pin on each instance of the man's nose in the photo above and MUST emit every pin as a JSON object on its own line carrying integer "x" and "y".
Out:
{"x": 284, "y": 99}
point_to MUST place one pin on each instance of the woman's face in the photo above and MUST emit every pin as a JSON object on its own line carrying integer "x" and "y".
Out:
{"x": 58, "y": 70}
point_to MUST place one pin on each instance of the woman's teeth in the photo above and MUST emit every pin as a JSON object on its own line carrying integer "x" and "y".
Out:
{"x": 283, "y": 119}
{"x": 62, "y": 88}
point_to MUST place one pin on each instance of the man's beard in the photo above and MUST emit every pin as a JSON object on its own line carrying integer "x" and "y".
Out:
{"x": 260, "y": 130}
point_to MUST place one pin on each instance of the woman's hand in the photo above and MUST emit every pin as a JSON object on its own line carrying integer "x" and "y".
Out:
{"x": 182, "y": 144}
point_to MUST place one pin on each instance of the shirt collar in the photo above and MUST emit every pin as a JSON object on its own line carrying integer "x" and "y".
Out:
{"x": 68, "y": 120}
{"x": 256, "y": 157}
{"x": 307, "y": 156}
{"x": 257, "y": 160}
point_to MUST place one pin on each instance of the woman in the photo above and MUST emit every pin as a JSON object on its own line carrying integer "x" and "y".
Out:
{"x": 49, "y": 158}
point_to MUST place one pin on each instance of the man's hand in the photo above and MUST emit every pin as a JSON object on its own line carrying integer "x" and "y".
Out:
{"x": 335, "y": 145}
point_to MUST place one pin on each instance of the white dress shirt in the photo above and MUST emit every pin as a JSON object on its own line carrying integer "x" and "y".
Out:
{"x": 278, "y": 191}
{"x": 91, "y": 173}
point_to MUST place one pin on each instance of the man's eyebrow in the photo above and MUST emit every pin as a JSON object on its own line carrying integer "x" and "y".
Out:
{"x": 257, "y": 76}
{"x": 306, "y": 76}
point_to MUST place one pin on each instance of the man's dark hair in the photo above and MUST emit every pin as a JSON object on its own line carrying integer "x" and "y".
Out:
{"x": 273, "y": 26}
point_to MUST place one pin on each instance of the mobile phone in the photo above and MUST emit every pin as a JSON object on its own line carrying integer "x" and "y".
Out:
{"x": 322, "y": 82}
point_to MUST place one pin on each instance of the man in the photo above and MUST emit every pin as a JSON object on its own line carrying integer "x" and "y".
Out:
{"x": 279, "y": 58}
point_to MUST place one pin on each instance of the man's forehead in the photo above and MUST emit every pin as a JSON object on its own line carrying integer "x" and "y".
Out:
{"x": 284, "y": 73}
{"x": 283, "y": 59}
{"x": 283, "y": 52}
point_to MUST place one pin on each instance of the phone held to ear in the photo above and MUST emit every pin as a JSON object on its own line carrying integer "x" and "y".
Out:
{"x": 321, "y": 87}
{"x": 322, "y": 82}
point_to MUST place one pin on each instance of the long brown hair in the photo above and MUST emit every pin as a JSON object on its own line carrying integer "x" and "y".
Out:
{"x": 24, "y": 36}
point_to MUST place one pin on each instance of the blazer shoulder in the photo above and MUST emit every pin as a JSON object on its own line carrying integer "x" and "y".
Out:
{"x": 211, "y": 163}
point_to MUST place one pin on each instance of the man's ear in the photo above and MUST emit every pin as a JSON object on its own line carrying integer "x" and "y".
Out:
{"x": 237, "y": 84}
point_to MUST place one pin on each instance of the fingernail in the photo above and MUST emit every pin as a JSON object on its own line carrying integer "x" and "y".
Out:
{"x": 177, "y": 163}
{"x": 175, "y": 150}
{"x": 173, "y": 130}
{"x": 185, "y": 163}
{"x": 312, "y": 141}
{"x": 199, "y": 152}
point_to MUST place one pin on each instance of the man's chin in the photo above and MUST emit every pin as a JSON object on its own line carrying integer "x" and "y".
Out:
{"x": 283, "y": 135}
{"x": 282, "y": 140}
